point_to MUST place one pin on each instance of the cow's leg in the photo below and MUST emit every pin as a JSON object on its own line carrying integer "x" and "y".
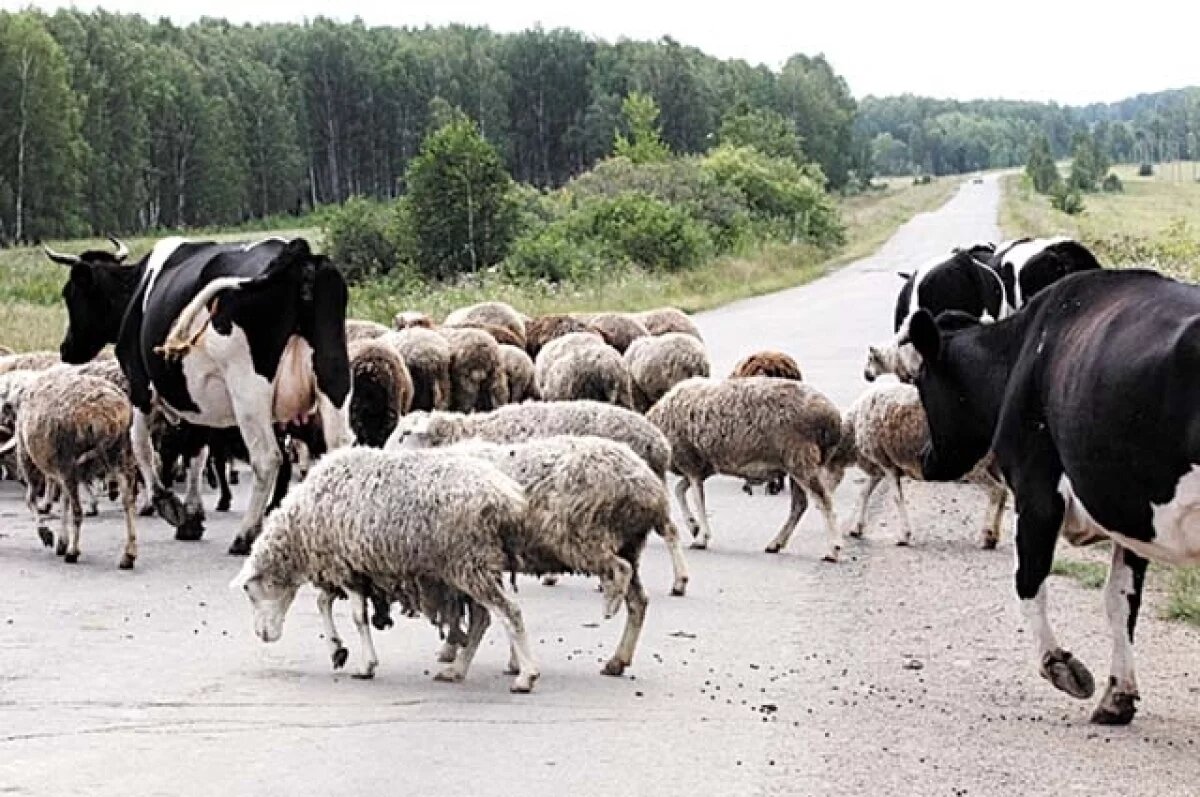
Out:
{"x": 701, "y": 513}
{"x": 1122, "y": 600}
{"x": 860, "y": 513}
{"x": 681, "y": 488}
{"x": 160, "y": 498}
{"x": 192, "y": 527}
{"x": 670, "y": 535}
{"x": 799, "y": 505}
{"x": 252, "y": 408}
{"x": 1040, "y": 515}
{"x": 905, "y": 525}
{"x": 335, "y": 423}
{"x": 221, "y": 467}
{"x": 337, "y": 651}
{"x": 283, "y": 478}
{"x": 635, "y": 616}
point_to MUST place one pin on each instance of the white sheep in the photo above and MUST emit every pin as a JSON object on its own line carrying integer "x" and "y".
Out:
{"x": 659, "y": 362}
{"x": 580, "y": 365}
{"x": 754, "y": 428}
{"x": 434, "y": 533}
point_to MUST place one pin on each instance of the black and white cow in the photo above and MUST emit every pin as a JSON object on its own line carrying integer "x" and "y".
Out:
{"x": 963, "y": 281}
{"x": 1029, "y": 265}
{"x": 220, "y": 335}
{"x": 1090, "y": 399}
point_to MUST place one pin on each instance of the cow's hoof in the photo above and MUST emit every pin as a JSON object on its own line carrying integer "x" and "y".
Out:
{"x": 169, "y": 507}
{"x": 774, "y": 487}
{"x": 71, "y": 558}
{"x": 191, "y": 529}
{"x": 239, "y": 546}
{"x": 1116, "y": 708}
{"x": 234, "y": 478}
{"x": 614, "y": 667}
{"x": 61, "y": 548}
{"x": 1068, "y": 674}
{"x": 46, "y": 536}
{"x": 339, "y": 657}
{"x": 381, "y": 621}
{"x": 146, "y": 511}
{"x": 698, "y": 545}
{"x": 126, "y": 562}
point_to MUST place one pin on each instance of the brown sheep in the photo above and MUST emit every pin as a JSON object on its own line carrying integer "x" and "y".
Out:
{"x": 477, "y": 377}
{"x": 29, "y": 361}
{"x": 426, "y": 354}
{"x": 618, "y": 329}
{"x": 383, "y": 390}
{"x": 658, "y": 363}
{"x": 543, "y": 329}
{"x": 360, "y": 329}
{"x": 502, "y": 335}
{"x": 753, "y": 428}
{"x": 522, "y": 379}
{"x": 780, "y": 366}
{"x": 71, "y": 430}
{"x": 490, "y": 314}
{"x": 668, "y": 319}
{"x": 406, "y": 319}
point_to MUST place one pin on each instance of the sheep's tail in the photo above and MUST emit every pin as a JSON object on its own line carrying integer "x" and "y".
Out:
{"x": 178, "y": 342}
{"x": 837, "y": 444}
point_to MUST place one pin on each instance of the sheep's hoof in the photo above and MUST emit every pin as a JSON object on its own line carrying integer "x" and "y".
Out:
{"x": 91, "y": 511}
{"x": 1068, "y": 674}
{"x": 773, "y": 548}
{"x": 126, "y": 562}
{"x": 679, "y": 588}
{"x": 614, "y": 667}
{"x": 524, "y": 683}
{"x": 694, "y": 527}
{"x": 448, "y": 676}
{"x": 448, "y": 653}
{"x": 549, "y": 580}
{"x": 832, "y": 556}
{"x": 364, "y": 675}
{"x": 1116, "y": 708}
{"x": 339, "y": 657}
{"x": 902, "y": 542}
{"x": 61, "y": 548}
{"x": 774, "y": 487}
{"x": 856, "y": 532}
{"x": 146, "y": 511}
{"x": 223, "y": 504}
{"x": 698, "y": 545}
{"x": 191, "y": 529}
{"x": 71, "y": 558}
{"x": 239, "y": 547}
{"x": 990, "y": 542}
{"x": 747, "y": 489}
{"x": 46, "y": 536}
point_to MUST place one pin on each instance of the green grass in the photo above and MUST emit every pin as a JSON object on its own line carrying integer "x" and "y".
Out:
{"x": 32, "y": 315}
{"x": 1090, "y": 575}
{"x": 1183, "y": 595}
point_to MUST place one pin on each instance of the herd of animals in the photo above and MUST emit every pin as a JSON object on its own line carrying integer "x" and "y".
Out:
{"x": 437, "y": 460}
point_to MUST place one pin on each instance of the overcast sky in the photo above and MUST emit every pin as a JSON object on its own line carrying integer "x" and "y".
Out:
{"x": 1071, "y": 51}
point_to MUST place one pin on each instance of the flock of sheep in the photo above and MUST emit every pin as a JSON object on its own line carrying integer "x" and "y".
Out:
{"x": 491, "y": 445}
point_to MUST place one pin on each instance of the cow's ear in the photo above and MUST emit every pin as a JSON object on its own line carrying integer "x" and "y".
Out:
{"x": 296, "y": 249}
{"x": 904, "y": 275}
{"x": 924, "y": 334}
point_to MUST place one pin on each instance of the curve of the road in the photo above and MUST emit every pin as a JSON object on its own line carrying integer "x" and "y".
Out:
{"x": 897, "y": 671}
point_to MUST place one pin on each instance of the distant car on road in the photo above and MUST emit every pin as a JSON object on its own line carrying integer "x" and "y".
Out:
{"x": 977, "y": 180}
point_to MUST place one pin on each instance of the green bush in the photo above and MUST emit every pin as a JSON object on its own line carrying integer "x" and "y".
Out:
{"x": 643, "y": 230}
{"x": 1112, "y": 184}
{"x": 552, "y": 255}
{"x": 1068, "y": 200}
{"x": 362, "y": 238}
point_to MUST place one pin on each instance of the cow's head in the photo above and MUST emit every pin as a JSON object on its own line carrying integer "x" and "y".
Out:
{"x": 96, "y": 294}
{"x": 959, "y": 433}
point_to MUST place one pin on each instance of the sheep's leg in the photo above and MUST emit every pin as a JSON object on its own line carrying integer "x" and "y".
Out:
{"x": 337, "y": 651}
{"x": 681, "y": 488}
{"x": 64, "y": 519}
{"x": 87, "y": 498}
{"x": 670, "y": 536}
{"x": 902, "y": 507}
{"x": 127, "y": 485}
{"x": 71, "y": 503}
{"x": 702, "y": 514}
{"x": 860, "y": 512}
{"x": 614, "y": 584}
{"x": 477, "y": 625}
{"x": 799, "y": 504}
{"x": 35, "y": 485}
{"x": 550, "y": 579}
{"x": 635, "y": 616}
{"x": 499, "y": 604}
{"x": 997, "y": 498}
{"x": 358, "y": 603}
{"x": 832, "y": 530}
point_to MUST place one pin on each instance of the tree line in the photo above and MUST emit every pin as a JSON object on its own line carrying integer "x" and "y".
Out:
{"x": 921, "y": 135}
{"x": 115, "y": 123}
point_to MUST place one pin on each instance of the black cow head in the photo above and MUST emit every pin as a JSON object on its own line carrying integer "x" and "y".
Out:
{"x": 959, "y": 436}
{"x": 96, "y": 294}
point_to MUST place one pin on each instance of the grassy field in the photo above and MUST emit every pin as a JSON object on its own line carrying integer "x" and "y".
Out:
{"x": 32, "y": 315}
{"x": 1155, "y": 222}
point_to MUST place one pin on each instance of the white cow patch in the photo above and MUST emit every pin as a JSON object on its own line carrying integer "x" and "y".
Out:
{"x": 1020, "y": 254}
{"x": 158, "y": 257}
{"x": 1176, "y": 523}
{"x": 267, "y": 240}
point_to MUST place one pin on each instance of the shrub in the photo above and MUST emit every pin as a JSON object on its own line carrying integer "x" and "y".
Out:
{"x": 1112, "y": 184}
{"x": 551, "y": 254}
{"x": 361, "y": 238}
{"x": 1068, "y": 200}
{"x": 643, "y": 230}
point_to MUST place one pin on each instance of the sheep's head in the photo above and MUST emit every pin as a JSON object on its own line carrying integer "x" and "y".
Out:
{"x": 896, "y": 358}
{"x": 411, "y": 432}
{"x": 270, "y": 597}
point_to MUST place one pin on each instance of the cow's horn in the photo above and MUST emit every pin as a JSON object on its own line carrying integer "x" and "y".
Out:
{"x": 59, "y": 257}
{"x": 122, "y": 250}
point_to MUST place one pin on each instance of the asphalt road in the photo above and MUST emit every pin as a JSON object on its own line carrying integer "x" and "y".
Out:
{"x": 897, "y": 671}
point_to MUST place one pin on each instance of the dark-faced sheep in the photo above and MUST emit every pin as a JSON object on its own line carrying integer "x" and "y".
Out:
{"x": 518, "y": 423}
{"x": 490, "y": 314}
{"x": 434, "y": 533}
{"x": 659, "y": 362}
{"x": 884, "y": 433}
{"x": 477, "y": 377}
{"x": 543, "y": 329}
{"x": 73, "y": 429}
{"x": 382, "y": 390}
{"x": 662, "y": 320}
{"x": 581, "y": 365}
{"x": 519, "y": 370}
{"x": 753, "y": 428}
{"x": 618, "y": 329}
{"x": 426, "y": 354}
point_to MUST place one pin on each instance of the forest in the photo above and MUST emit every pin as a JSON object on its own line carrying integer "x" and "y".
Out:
{"x": 120, "y": 124}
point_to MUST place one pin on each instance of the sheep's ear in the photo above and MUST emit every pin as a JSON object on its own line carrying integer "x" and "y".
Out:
{"x": 420, "y": 425}
{"x": 925, "y": 336}
{"x": 244, "y": 576}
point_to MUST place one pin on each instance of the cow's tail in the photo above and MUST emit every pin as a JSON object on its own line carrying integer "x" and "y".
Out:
{"x": 179, "y": 341}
